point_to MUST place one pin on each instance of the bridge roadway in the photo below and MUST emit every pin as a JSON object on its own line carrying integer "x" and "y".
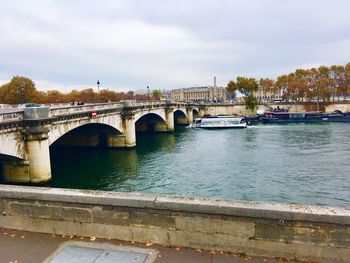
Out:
{"x": 27, "y": 134}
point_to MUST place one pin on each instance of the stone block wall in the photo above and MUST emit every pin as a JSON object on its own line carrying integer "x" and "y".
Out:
{"x": 292, "y": 231}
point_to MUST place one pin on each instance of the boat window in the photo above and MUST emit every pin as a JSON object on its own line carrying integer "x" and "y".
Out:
{"x": 297, "y": 115}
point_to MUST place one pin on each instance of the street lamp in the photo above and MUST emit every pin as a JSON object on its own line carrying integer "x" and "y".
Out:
{"x": 98, "y": 90}
{"x": 147, "y": 93}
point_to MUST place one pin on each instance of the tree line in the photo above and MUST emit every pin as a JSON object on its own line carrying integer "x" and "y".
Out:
{"x": 320, "y": 85}
{"x": 22, "y": 90}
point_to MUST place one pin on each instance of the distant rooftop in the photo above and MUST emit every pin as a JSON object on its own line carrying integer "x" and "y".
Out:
{"x": 198, "y": 88}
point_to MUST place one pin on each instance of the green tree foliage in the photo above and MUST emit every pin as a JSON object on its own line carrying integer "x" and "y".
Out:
{"x": 231, "y": 87}
{"x": 246, "y": 85}
{"x": 156, "y": 94}
{"x": 347, "y": 77}
{"x": 251, "y": 102}
{"x": 316, "y": 84}
{"x": 267, "y": 85}
{"x": 54, "y": 96}
{"x": 324, "y": 85}
{"x": 22, "y": 90}
{"x": 243, "y": 85}
{"x": 19, "y": 90}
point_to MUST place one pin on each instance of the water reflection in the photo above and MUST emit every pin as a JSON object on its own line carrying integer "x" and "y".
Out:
{"x": 282, "y": 163}
{"x": 297, "y": 135}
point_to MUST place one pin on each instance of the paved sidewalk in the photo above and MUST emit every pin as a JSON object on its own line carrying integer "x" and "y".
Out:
{"x": 27, "y": 247}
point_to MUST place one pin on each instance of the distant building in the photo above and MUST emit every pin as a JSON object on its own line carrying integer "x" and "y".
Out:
{"x": 140, "y": 92}
{"x": 268, "y": 95}
{"x": 206, "y": 93}
{"x": 165, "y": 95}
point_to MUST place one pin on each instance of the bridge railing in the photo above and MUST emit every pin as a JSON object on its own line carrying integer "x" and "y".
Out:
{"x": 150, "y": 103}
{"x": 7, "y": 116}
{"x": 57, "y": 111}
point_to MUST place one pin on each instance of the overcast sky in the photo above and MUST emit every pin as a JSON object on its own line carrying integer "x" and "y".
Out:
{"x": 167, "y": 44}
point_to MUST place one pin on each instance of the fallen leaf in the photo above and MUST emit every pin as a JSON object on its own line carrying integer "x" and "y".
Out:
{"x": 148, "y": 244}
{"x": 92, "y": 238}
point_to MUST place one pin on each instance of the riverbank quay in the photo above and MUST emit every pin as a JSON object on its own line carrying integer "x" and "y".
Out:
{"x": 310, "y": 233}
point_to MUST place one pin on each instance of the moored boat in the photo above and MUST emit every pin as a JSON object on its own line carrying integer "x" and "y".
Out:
{"x": 304, "y": 117}
{"x": 337, "y": 116}
{"x": 219, "y": 122}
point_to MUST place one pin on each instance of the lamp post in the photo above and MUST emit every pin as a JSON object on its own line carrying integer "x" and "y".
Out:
{"x": 98, "y": 90}
{"x": 147, "y": 93}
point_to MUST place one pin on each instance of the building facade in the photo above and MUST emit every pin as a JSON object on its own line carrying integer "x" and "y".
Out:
{"x": 268, "y": 95}
{"x": 209, "y": 93}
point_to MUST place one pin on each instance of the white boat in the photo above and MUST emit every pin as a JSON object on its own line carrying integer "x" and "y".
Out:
{"x": 219, "y": 122}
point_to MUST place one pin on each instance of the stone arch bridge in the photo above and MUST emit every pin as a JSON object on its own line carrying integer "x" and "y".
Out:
{"x": 26, "y": 135}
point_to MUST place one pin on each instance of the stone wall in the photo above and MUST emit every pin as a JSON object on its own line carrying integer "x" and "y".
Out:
{"x": 270, "y": 229}
{"x": 240, "y": 109}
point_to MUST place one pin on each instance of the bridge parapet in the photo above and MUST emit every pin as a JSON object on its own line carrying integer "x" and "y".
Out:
{"x": 9, "y": 116}
{"x": 66, "y": 110}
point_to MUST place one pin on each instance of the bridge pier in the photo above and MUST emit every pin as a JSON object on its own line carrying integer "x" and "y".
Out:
{"x": 15, "y": 171}
{"x": 38, "y": 155}
{"x": 36, "y": 167}
{"x": 190, "y": 115}
{"x": 116, "y": 141}
{"x": 129, "y": 130}
{"x": 170, "y": 119}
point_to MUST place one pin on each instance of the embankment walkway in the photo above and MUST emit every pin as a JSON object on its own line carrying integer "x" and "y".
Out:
{"x": 20, "y": 246}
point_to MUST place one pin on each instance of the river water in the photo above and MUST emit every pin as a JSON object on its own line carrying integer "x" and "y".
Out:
{"x": 293, "y": 163}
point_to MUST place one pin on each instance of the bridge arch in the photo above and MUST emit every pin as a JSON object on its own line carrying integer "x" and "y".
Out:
{"x": 5, "y": 157}
{"x": 87, "y": 135}
{"x": 63, "y": 127}
{"x": 10, "y": 165}
{"x": 142, "y": 114}
{"x": 12, "y": 144}
{"x": 151, "y": 122}
{"x": 195, "y": 113}
{"x": 180, "y": 117}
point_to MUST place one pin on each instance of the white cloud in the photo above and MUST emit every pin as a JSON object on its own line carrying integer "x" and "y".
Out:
{"x": 167, "y": 44}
